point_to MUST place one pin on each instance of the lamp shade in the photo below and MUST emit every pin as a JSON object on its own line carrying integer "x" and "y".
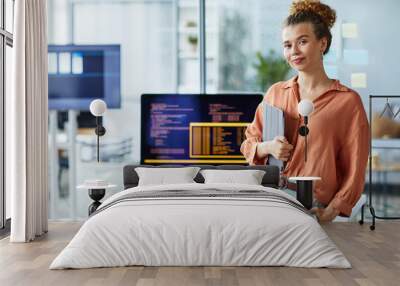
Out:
{"x": 98, "y": 107}
{"x": 305, "y": 107}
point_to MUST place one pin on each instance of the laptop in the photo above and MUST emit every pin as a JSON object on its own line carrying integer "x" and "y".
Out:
{"x": 273, "y": 125}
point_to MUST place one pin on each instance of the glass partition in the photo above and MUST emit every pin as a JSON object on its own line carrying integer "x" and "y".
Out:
{"x": 151, "y": 37}
{"x": 159, "y": 46}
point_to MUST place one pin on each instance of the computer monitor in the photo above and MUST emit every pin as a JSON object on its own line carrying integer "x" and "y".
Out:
{"x": 195, "y": 128}
{"x": 80, "y": 73}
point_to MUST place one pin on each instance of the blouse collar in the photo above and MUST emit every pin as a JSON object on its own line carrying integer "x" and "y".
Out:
{"x": 336, "y": 85}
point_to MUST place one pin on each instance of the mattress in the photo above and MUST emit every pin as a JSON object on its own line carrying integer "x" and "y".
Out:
{"x": 201, "y": 225}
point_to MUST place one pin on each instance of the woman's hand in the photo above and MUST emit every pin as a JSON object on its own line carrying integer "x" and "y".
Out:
{"x": 327, "y": 214}
{"x": 280, "y": 148}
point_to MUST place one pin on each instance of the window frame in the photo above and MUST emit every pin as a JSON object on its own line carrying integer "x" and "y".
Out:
{"x": 6, "y": 39}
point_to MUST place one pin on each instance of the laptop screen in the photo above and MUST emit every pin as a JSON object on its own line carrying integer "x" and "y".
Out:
{"x": 195, "y": 128}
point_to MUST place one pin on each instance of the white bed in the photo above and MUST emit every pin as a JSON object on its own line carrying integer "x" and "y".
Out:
{"x": 208, "y": 230}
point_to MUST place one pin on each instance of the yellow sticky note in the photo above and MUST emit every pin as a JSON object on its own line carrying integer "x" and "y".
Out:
{"x": 350, "y": 30}
{"x": 359, "y": 80}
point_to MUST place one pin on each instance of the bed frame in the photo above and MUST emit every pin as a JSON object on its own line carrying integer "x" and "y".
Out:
{"x": 270, "y": 179}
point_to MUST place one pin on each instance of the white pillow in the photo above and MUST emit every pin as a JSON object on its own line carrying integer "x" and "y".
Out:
{"x": 166, "y": 176}
{"x": 248, "y": 177}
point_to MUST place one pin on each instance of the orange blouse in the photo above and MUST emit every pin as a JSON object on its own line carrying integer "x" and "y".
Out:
{"x": 338, "y": 141}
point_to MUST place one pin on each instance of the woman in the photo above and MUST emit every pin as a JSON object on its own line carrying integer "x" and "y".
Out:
{"x": 339, "y": 132}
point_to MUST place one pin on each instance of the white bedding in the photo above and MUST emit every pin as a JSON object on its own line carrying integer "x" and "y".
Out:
{"x": 200, "y": 231}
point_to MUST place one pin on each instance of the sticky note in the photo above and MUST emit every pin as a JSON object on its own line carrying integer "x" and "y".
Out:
{"x": 350, "y": 30}
{"x": 356, "y": 57}
{"x": 359, "y": 80}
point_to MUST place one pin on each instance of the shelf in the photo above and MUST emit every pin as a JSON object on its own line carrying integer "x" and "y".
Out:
{"x": 192, "y": 88}
{"x": 386, "y": 143}
{"x": 187, "y": 55}
{"x": 195, "y": 4}
{"x": 195, "y": 30}
{"x": 193, "y": 56}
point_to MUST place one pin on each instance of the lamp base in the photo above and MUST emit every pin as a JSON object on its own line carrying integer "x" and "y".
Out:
{"x": 305, "y": 193}
{"x": 96, "y": 195}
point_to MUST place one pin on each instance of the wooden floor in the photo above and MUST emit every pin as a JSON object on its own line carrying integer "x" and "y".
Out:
{"x": 375, "y": 257}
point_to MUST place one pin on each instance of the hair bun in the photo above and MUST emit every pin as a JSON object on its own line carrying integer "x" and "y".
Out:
{"x": 327, "y": 14}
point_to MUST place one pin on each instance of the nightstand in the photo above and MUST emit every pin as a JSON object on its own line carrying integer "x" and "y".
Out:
{"x": 96, "y": 190}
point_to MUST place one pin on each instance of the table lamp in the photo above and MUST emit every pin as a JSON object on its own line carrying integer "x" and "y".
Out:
{"x": 305, "y": 108}
{"x": 304, "y": 185}
{"x": 97, "y": 188}
{"x": 98, "y": 107}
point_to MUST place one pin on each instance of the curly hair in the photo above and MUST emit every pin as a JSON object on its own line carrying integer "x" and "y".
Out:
{"x": 320, "y": 15}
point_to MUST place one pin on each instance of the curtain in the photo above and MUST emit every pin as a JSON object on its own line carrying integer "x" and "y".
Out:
{"x": 27, "y": 123}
